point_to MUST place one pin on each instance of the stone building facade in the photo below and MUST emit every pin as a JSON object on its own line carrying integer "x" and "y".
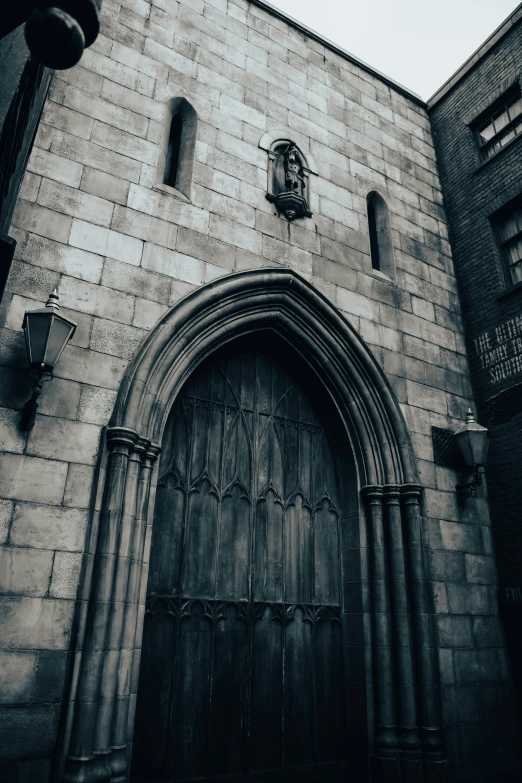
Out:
{"x": 478, "y": 188}
{"x": 158, "y": 278}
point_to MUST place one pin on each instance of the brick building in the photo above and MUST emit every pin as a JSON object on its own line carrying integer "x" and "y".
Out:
{"x": 477, "y": 122}
{"x": 247, "y": 225}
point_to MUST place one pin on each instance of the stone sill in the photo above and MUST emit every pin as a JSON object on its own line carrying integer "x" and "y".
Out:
{"x": 170, "y": 191}
{"x": 514, "y": 289}
{"x": 383, "y": 276}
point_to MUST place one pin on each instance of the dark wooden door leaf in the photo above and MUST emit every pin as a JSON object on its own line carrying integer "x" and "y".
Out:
{"x": 242, "y": 670}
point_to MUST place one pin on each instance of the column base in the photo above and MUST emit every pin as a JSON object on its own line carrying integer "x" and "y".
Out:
{"x": 395, "y": 770}
{"x": 412, "y": 770}
{"x": 435, "y": 771}
{"x": 385, "y": 770}
{"x": 85, "y": 770}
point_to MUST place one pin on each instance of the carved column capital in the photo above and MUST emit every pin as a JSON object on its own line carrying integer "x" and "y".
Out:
{"x": 142, "y": 445}
{"x": 153, "y": 452}
{"x": 372, "y": 494}
{"x": 121, "y": 439}
{"x": 139, "y": 450}
{"x": 411, "y": 493}
{"x": 142, "y": 450}
{"x": 150, "y": 453}
{"x": 392, "y": 494}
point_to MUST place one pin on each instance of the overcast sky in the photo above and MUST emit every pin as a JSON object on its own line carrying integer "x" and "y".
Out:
{"x": 419, "y": 43}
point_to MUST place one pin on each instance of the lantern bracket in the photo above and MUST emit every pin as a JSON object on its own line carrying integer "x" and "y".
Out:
{"x": 465, "y": 491}
{"x": 31, "y": 406}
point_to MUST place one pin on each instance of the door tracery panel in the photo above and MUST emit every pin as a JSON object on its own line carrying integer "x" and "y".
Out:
{"x": 242, "y": 666}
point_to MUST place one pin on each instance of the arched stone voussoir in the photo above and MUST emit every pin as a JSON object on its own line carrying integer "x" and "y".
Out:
{"x": 282, "y": 301}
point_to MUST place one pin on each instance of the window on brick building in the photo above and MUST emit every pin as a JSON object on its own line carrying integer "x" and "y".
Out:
{"x": 178, "y": 147}
{"x": 501, "y": 124}
{"x": 379, "y": 228}
{"x": 508, "y": 223}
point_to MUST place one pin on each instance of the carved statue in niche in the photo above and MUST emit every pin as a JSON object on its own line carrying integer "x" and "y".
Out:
{"x": 288, "y": 177}
{"x": 294, "y": 179}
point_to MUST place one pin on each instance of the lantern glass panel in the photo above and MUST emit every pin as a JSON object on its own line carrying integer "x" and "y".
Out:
{"x": 485, "y": 447}
{"x": 465, "y": 446}
{"x": 36, "y": 336}
{"x": 474, "y": 445}
{"x": 58, "y": 336}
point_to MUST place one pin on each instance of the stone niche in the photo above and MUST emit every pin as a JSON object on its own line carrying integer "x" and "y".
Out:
{"x": 289, "y": 172}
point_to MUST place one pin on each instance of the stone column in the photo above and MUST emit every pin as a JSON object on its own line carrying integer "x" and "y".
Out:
{"x": 385, "y": 741}
{"x": 141, "y": 587}
{"x": 84, "y": 765}
{"x": 409, "y": 743}
{"x": 131, "y": 631}
{"x": 430, "y": 717}
{"x": 111, "y": 662}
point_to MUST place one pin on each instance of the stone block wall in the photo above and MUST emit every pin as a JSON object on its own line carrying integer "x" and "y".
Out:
{"x": 91, "y": 223}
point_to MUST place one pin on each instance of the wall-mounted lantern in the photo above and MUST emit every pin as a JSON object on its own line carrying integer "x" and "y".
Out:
{"x": 473, "y": 441}
{"x": 46, "y": 335}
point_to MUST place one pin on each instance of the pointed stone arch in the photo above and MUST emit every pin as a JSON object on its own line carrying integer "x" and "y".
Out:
{"x": 283, "y": 301}
{"x": 405, "y": 726}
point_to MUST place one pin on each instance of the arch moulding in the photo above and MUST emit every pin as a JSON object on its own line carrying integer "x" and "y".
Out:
{"x": 406, "y": 727}
{"x": 266, "y": 142}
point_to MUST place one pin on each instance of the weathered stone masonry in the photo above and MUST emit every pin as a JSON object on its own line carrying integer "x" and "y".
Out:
{"x": 121, "y": 251}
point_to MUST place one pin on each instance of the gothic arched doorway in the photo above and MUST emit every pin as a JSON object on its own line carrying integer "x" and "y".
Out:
{"x": 242, "y": 670}
{"x": 393, "y": 708}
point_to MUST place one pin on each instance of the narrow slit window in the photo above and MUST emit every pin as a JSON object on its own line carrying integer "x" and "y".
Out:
{"x": 172, "y": 163}
{"x": 379, "y": 229}
{"x": 374, "y": 242}
{"x": 178, "y": 148}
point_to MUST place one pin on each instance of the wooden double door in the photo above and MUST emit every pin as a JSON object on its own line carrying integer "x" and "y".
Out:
{"x": 242, "y": 665}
